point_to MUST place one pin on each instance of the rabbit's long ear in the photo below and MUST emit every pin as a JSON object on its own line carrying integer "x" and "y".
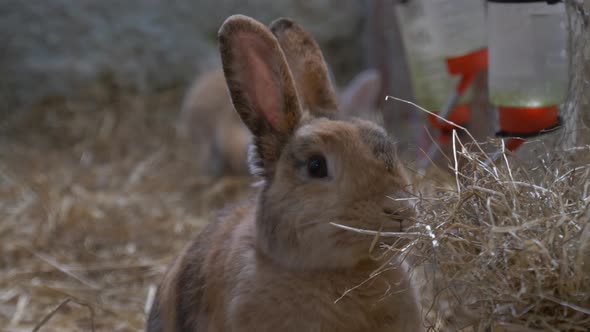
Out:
{"x": 261, "y": 86}
{"x": 308, "y": 66}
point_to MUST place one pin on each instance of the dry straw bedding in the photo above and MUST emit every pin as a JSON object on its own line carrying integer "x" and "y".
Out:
{"x": 95, "y": 199}
{"x": 510, "y": 243}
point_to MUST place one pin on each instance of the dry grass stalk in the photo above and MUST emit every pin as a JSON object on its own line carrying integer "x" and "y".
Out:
{"x": 57, "y": 308}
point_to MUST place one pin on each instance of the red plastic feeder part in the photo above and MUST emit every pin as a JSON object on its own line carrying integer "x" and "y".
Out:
{"x": 459, "y": 115}
{"x": 467, "y": 66}
{"x": 523, "y": 122}
{"x": 513, "y": 143}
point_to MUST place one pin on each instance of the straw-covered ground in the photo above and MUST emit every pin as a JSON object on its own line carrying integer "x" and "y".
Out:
{"x": 95, "y": 200}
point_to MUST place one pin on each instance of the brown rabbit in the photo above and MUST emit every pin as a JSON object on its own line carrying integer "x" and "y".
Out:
{"x": 209, "y": 122}
{"x": 277, "y": 263}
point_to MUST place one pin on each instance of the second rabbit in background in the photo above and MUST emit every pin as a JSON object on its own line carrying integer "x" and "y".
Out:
{"x": 219, "y": 138}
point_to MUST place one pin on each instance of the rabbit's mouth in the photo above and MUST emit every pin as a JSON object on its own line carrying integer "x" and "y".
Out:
{"x": 395, "y": 221}
{"x": 391, "y": 227}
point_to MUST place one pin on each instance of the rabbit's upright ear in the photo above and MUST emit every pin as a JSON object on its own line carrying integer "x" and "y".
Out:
{"x": 308, "y": 66}
{"x": 261, "y": 85}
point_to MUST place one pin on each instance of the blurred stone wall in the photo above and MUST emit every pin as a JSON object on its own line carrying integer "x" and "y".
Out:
{"x": 60, "y": 47}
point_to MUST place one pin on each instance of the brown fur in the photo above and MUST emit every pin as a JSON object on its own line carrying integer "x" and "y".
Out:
{"x": 277, "y": 264}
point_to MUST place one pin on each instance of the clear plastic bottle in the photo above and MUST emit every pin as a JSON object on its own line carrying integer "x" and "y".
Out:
{"x": 458, "y": 26}
{"x": 527, "y": 53}
{"x": 430, "y": 80}
{"x": 435, "y": 31}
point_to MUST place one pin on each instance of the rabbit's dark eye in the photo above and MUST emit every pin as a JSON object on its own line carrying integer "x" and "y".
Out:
{"x": 317, "y": 167}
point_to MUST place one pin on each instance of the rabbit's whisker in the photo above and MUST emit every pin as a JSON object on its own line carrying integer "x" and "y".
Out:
{"x": 403, "y": 199}
{"x": 308, "y": 224}
{"x": 394, "y": 216}
{"x": 382, "y": 234}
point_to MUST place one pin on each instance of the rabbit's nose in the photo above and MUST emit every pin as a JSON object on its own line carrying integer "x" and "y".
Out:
{"x": 390, "y": 205}
{"x": 397, "y": 209}
{"x": 392, "y": 213}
